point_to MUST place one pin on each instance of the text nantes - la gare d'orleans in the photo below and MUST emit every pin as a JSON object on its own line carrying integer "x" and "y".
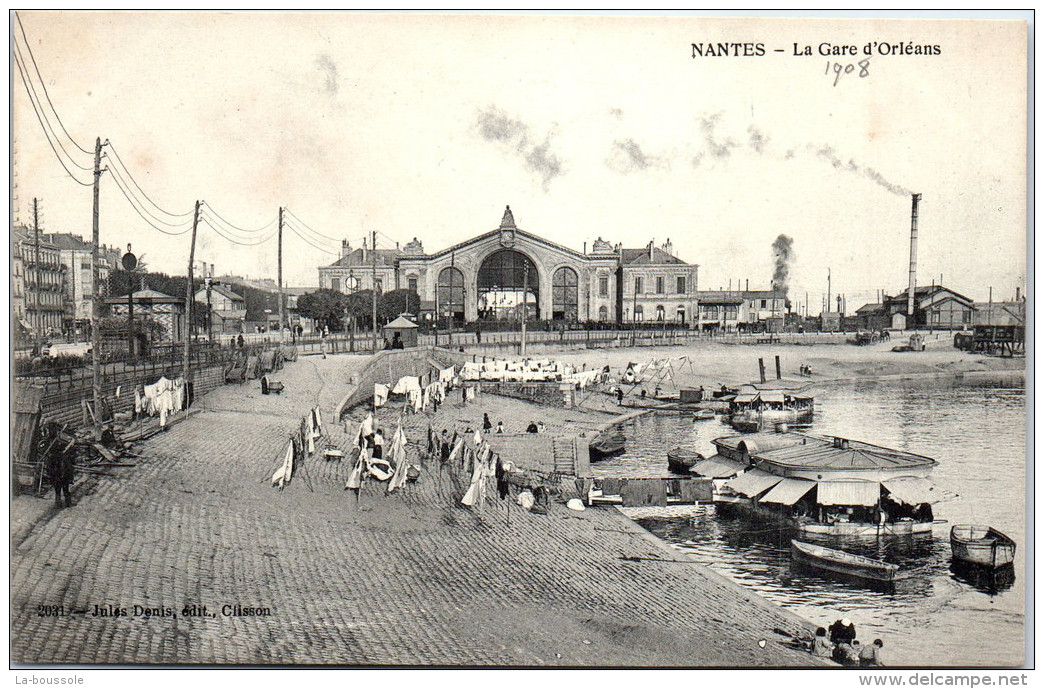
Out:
{"x": 825, "y": 49}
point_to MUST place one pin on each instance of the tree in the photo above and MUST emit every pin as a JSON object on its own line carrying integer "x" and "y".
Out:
{"x": 324, "y": 306}
{"x": 397, "y": 302}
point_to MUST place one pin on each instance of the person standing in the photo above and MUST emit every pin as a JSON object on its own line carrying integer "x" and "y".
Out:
{"x": 378, "y": 444}
{"x": 487, "y": 425}
{"x": 61, "y": 471}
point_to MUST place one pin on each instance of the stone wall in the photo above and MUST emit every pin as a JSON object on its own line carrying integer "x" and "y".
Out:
{"x": 389, "y": 365}
{"x": 67, "y": 407}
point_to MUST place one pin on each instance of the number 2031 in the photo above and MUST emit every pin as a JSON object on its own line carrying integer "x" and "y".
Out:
{"x": 839, "y": 69}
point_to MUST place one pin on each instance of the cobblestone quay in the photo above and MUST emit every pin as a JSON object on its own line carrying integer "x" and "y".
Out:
{"x": 320, "y": 577}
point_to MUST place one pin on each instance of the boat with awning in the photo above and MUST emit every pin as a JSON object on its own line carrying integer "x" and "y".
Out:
{"x": 825, "y": 484}
{"x": 755, "y": 409}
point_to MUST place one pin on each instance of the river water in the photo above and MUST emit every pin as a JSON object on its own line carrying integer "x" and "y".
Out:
{"x": 976, "y": 430}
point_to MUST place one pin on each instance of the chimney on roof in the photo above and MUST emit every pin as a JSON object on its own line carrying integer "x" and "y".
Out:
{"x": 651, "y": 242}
{"x": 668, "y": 248}
{"x": 364, "y": 250}
{"x": 346, "y": 248}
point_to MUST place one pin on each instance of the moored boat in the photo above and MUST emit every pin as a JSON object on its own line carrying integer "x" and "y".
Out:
{"x": 681, "y": 460}
{"x": 703, "y": 415}
{"x": 842, "y": 562}
{"x": 981, "y": 545}
{"x": 823, "y": 485}
{"x": 754, "y": 409}
{"x": 606, "y": 446}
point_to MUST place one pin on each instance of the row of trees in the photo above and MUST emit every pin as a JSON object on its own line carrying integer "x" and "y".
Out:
{"x": 257, "y": 300}
{"x": 336, "y": 309}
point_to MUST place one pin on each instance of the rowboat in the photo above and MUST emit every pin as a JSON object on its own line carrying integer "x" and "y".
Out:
{"x": 981, "y": 545}
{"x": 703, "y": 415}
{"x": 605, "y": 447}
{"x": 843, "y": 563}
{"x": 680, "y": 460}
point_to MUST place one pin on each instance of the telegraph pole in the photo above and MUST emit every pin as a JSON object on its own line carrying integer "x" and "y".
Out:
{"x": 281, "y": 300}
{"x": 210, "y": 314}
{"x": 95, "y": 283}
{"x": 189, "y": 297}
{"x": 373, "y": 262}
{"x": 36, "y": 271}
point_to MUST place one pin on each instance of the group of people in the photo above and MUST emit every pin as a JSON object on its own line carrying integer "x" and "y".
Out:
{"x": 840, "y": 644}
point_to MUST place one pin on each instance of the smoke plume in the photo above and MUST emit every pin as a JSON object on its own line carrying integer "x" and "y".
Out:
{"x": 782, "y": 253}
{"x": 495, "y": 125}
{"x": 828, "y": 154}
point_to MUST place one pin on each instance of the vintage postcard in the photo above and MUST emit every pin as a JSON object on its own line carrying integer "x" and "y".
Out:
{"x": 519, "y": 340}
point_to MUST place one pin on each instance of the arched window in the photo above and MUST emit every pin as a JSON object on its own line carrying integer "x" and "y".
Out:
{"x": 564, "y": 293}
{"x": 507, "y": 279}
{"x": 681, "y": 314}
{"x": 603, "y": 313}
{"x": 659, "y": 312}
{"x": 639, "y": 314}
{"x": 450, "y": 295}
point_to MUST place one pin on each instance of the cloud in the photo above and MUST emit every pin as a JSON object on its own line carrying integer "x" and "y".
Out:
{"x": 758, "y": 140}
{"x": 718, "y": 149}
{"x": 627, "y": 156}
{"x": 496, "y": 126}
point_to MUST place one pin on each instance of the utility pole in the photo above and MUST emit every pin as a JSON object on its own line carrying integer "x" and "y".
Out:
{"x": 210, "y": 314}
{"x": 373, "y": 262}
{"x": 36, "y": 271}
{"x": 281, "y": 300}
{"x": 189, "y": 297}
{"x": 95, "y": 280}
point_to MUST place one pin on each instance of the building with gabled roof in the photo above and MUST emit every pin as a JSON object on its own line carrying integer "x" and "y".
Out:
{"x": 507, "y": 271}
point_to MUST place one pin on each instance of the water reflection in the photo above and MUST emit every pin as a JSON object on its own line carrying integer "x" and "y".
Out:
{"x": 974, "y": 428}
{"x": 989, "y": 581}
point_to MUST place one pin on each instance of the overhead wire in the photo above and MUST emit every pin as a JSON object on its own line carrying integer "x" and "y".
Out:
{"x": 24, "y": 71}
{"x": 309, "y": 228}
{"x": 232, "y": 229}
{"x": 129, "y": 176}
{"x": 132, "y": 201}
{"x": 43, "y": 84}
{"x": 44, "y": 126}
{"x": 308, "y": 241}
{"x": 233, "y": 238}
{"x": 121, "y": 178}
{"x": 318, "y": 243}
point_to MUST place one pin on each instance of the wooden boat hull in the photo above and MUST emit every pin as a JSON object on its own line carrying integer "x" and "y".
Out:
{"x": 983, "y": 546}
{"x": 841, "y": 562}
{"x": 727, "y": 504}
{"x": 681, "y": 460}
{"x": 605, "y": 448}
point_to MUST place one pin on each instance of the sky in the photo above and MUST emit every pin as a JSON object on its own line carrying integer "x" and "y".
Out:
{"x": 427, "y": 126}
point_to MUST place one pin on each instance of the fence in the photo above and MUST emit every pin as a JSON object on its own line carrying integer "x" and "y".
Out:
{"x": 64, "y": 391}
